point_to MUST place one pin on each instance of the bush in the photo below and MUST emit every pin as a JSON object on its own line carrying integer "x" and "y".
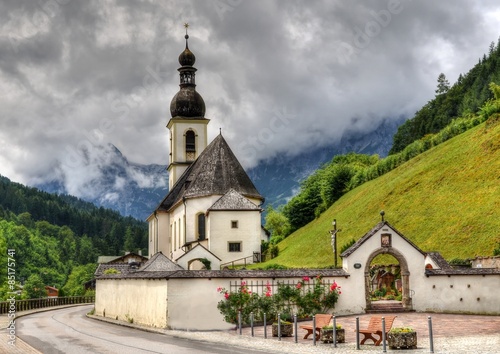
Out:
{"x": 460, "y": 262}
{"x": 496, "y": 251}
{"x": 303, "y": 298}
{"x": 274, "y": 251}
{"x": 275, "y": 266}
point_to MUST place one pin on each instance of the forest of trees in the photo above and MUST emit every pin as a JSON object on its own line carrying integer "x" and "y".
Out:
{"x": 463, "y": 98}
{"x": 57, "y": 239}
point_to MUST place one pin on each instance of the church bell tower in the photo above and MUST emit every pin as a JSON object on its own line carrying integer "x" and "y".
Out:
{"x": 188, "y": 125}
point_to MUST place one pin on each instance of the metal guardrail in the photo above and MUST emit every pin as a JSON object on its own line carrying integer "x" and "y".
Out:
{"x": 242, "y": 262}
{"x": 24, "y": 305}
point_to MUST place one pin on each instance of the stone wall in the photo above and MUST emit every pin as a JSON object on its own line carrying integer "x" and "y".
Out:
{"x": 486, "y": 262}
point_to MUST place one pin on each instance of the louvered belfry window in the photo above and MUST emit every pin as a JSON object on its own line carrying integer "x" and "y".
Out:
{"x": 190, "y": 141}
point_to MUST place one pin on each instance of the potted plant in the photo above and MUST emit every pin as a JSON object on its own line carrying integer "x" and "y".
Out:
{"x": 402, "y": 337}
{"x": 286, "y": 328}
{"x": 327, "y": 333}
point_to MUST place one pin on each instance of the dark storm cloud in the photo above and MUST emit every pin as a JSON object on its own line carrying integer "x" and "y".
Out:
{"x": 277, "y": 76}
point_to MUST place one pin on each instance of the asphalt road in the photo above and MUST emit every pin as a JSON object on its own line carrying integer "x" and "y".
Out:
{"x": 69, "y": 331}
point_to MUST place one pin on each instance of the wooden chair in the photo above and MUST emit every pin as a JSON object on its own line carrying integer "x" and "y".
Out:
{"x": 321, "y": 321}
{"x": 375, "y": 328}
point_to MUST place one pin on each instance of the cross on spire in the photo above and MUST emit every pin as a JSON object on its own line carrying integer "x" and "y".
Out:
{"x": 186, "y": 26}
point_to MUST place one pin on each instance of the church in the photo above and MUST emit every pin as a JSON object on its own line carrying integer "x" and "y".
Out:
{"x": 211, "y": 216}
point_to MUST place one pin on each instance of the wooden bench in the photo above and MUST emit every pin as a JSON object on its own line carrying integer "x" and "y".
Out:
{"x": 321, "y": 321}
{"x": 375, "y": 328}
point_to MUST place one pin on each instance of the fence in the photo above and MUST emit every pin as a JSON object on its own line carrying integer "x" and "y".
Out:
{"x": 287, "y": 297}
{"x": 23, "y": 305}
{"x": 261, "y": 287}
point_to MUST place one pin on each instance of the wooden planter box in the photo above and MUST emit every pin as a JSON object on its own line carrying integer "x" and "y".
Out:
{"x": 404, "y": 340}
{"x": 327, "y": 335}
{"x": 286, "y": 329}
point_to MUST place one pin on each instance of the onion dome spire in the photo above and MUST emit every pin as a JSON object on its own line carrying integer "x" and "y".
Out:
{"x": 187, "y": 102}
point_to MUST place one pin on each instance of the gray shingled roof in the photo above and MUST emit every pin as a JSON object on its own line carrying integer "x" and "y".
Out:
{"x": 463, "y": 271}
{"x": 123, "y": 268}
{"x": 372, "y": 232}
{"x": 214, "y": 172}
{"x": 159, "y": 262}
{"x": 192, "y": 250}
{"x": 233, "y": 200}
{"x": 439, "y": 260}
{"x": 241, "y": 274}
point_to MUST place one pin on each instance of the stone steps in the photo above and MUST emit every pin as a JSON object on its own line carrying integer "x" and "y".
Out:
{"x": 387, "y": 307}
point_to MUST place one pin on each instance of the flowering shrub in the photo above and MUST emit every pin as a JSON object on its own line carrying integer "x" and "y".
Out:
{"x": 318, "y": 298}
{"x": 305, "y": 298}
{"x": 242, "y": 300}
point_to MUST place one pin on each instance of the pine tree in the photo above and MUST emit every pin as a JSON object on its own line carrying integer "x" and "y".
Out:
{"x": 443, "y": 84}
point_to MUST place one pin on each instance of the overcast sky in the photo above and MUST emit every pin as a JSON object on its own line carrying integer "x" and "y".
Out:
{"x": 276, "y": 76}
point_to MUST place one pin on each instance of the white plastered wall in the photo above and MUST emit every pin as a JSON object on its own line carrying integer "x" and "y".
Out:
{"x": 476, "y": 294}
{"x": 197, "y": 253}
{"x": 142, "y": 300}
{"x": 158, "y": 234}
{"x": 178, "y": 131}
{"x": 414, "y": 259}
{"x": 201, "y": 294}
{"x": 178, "y": 128}
{"x": 191, "y": 303}
{"x": 194, "y": 206}
{"x": 221, "y": 233}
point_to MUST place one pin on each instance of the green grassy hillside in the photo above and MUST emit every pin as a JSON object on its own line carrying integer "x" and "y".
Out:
{"x": 446, "y": 199}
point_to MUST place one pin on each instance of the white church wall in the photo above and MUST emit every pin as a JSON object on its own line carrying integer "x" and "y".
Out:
{"x": 179, "y": 143}
{"x": 256, "y": 201}
{"x": 222, "y": 233}
{"x": 194, "y": 206}
{"x": 140, "y": 300}
{"x": 176, "y": 232}
{"x": 158, "y": 234}
{"x": 197, "y": 253}
{"x": 163, "y": 233}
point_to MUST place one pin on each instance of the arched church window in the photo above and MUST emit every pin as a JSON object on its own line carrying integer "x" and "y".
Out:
{"x": 190, "y": 141}
{"x": 201, "y": 226}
